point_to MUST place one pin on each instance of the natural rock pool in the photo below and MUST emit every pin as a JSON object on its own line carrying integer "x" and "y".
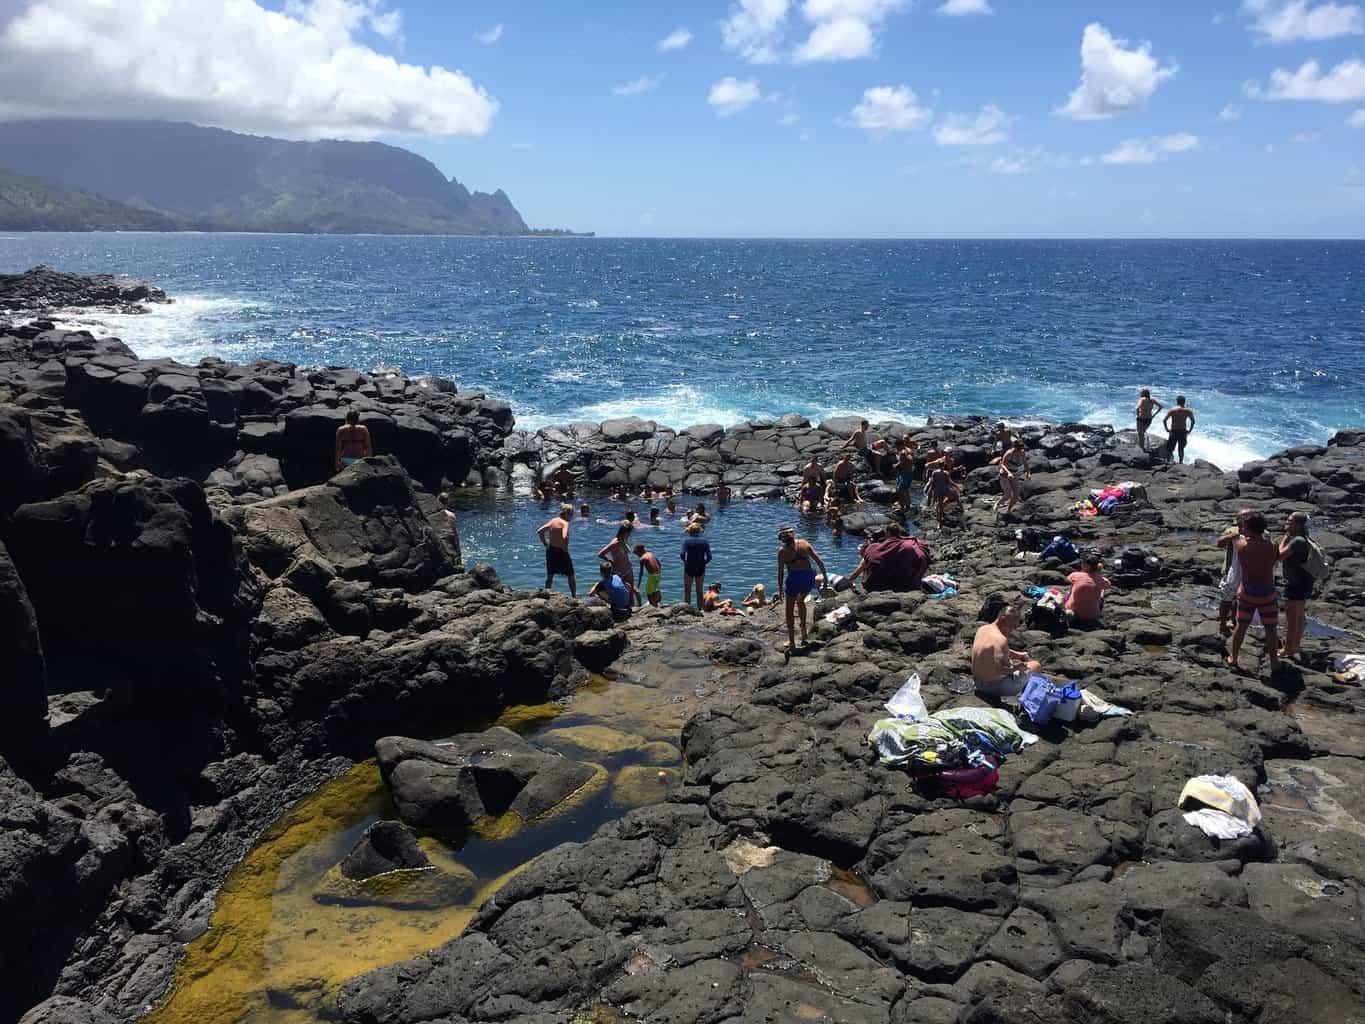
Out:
{"x": 273, "y": 952}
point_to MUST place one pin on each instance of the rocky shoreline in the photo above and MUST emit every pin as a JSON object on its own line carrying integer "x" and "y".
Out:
{"x": 209, "y": 623}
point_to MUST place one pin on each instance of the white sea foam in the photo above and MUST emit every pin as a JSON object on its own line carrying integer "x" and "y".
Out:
{"x": 177, "y": 330}
{"x": 677, "y": 406}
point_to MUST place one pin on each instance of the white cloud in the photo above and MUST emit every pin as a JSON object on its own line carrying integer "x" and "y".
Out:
{"x": 731, "y": 95}
{"x": 643, "y": 84}
{"x": 490, "y": 36}
{"x": 678, "y": 39}
{"x": 303, "y": 72}
{"x": 1230, "y": 112}
{"x": 1029, "y": 162}
{"x": 754, "y": 29}
{"x": 1288, "y": 21}
{"x": 1012, "y": 165}
{"x": 843, "y": 29}
{"x": 1152, "y": 150}
{"x": 988, "y": 128}
{"x": 1345, "y": 83}
{"x": 885, "y": 109}
{"x": 1357, "y": 119}
{"x": 1114, "y": 80}
{"x": 956, "y": 8}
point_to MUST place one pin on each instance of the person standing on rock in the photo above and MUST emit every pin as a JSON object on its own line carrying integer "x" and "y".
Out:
{"x": 1298, "y": 581}
{"x": 555, "y": 536}
{"x": 353, "y": 441}
{"x": 905, "y": 475}
{"x": 1257, "y": 596}
{"x": 696, "y": 555}
{"x": 651, "y": 573}
{"x": 614, "y": 591}
{"x": 997, "y": 670}
{"x": 1146, "y": 410}
{"x": 617, "y": 554}
{"x": 1012, "y": 463}
{"x": 794, "y": 558}
{"x": 858, "y": 442}
{"x": 1231, "y": 580}
{"x": 1179, "y": 424}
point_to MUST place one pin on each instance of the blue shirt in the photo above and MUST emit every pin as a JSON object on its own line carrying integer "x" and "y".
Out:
{"x": 617, "y": 593}
{"x": 696, "y": 553}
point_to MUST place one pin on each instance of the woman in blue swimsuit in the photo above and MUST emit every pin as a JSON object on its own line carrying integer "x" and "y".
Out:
{"x": 794, "y": 560}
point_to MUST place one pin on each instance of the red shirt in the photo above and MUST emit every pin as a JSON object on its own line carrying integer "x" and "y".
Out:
{"x": 1087, "y": 595}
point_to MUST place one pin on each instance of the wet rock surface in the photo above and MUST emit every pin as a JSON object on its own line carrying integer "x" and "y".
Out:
{"x": 218, "y": 624}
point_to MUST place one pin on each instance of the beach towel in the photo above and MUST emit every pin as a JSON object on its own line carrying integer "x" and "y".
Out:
{"x": 1219, "y": 806}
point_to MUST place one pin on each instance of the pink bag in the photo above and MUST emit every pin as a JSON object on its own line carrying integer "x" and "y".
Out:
{"x": 961, "y": 783}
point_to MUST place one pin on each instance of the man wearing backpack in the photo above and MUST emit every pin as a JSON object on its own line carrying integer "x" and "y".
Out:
{"x": 1297, "y": 556}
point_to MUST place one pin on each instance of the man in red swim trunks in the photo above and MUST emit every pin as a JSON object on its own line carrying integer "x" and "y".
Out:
{"x": 1257, "y": 596}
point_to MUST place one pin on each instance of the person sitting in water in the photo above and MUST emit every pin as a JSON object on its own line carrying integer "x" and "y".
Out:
{"x": 617, "y": 554}
{"x": 1145, "y": 411}
{"x": 1013, "y": 464}
{"x": 812, "y": 497}
{"x": 561, "y": 482}
{"x": 710, "y": 601}
{"x": 452, "y": 526}
{"x": 1257, "y": 596}
{"x": 794, "y": 562}
{"x": 723, "y": 493}
{"x": 671, "y": 505}
{"x": 585, "y": 510}
{"x": 651, "y": 573}
{"x": 555, "y": 536}
{"x": 614, "y": 592}
{"x": 353, "y": 441}
{"x": 1085, "y": 602}
{"x": 699, "y": 515}
{"x": 654, "y": 517}
{"x": 619, "y": 495}
{"x": 757, "y": 598}
{"x": 997, "y": 670}
{"x": 1179, "y": 424}
{"x": 696, "y": 555}
{"x": 813, "y": 471}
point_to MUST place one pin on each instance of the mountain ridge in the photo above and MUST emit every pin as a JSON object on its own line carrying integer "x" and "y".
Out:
{"x": 188, "y": 177}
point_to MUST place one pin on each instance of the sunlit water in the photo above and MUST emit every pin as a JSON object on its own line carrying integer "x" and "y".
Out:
{"x": 1264, "y": 337}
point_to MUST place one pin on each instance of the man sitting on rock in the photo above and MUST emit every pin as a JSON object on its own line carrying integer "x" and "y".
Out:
{"x": 896, "y": 563}
{"x": 353, "y": 441}
{"x": 613, "y": 591}
{"x": 843, "y": 491}
{"x": 555, "y": 536}
{"x": 998, "y": 670}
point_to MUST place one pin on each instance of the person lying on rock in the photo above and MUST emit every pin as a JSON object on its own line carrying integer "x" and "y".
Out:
{"x": 794, "y": 563}
{"x": 997, "y": 670}
{"x": 617, "y": 554}
{"x": 1085, "y": 602}
{"x": 353, "y": 441}
{"x": 614, "y": 592}
{"x": 1257, "y": 596}
{"x": 651, "y": 573}
{"x": 555, "y": 536}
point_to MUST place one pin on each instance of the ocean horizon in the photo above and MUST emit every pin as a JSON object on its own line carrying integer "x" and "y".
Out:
{"x": 1263, "y": 336}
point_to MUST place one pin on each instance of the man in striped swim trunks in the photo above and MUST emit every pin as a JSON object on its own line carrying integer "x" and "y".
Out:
{"x": 1257, "y": 596}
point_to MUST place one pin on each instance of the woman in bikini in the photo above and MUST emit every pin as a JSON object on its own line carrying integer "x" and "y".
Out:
{"x": 794, "y": 559}
{"x": 1012, "y": 463}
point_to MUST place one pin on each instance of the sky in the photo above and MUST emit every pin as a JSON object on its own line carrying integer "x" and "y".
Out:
{"x": 792, "y": 118}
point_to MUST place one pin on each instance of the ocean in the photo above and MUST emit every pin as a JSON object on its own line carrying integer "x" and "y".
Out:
{"x": 1266, "y": 339}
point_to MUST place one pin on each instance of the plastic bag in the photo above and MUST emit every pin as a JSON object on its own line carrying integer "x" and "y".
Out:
{"x": 907, "y": 703}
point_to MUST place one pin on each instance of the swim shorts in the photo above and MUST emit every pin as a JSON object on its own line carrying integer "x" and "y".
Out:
{"x": 1293, "y": 592}
{"x": 1009, "y": 686}
{"x": 904, "y": 481}
{"x": 557, "y": 562}
{"x": 1256, "y": 602}
{"x": 652, "y": 583}
{"x": 1143, "y": 422}
{"x": 943, "y": 488}
{"x": 800, "y": 582}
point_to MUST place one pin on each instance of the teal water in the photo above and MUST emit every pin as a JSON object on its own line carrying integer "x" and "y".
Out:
{"x": 1266, "y": 338}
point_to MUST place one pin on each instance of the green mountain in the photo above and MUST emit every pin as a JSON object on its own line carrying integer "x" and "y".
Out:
{"x": 210, "y": 179}
{"x": 27, "y": 204}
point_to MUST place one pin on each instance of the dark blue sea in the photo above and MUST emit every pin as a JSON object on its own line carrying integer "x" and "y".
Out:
{"x": 1267, "y": 339}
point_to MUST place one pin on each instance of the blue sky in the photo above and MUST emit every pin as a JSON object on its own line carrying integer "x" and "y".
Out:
{"x": 824, "y": 117}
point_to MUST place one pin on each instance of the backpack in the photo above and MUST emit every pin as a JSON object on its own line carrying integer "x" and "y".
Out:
{"x": 1316, "y": 562}
{"x": 1049, "y": 612}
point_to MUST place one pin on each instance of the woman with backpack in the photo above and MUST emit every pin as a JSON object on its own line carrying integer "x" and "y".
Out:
{"x": 1296, "y": 554}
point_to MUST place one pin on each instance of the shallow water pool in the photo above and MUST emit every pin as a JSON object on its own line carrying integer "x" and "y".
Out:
{"x": 501, "y": 529}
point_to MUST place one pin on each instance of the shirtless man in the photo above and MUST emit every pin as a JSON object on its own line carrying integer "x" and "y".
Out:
{"x": 845, "y": 491}
{"x": 710, "y": 601}
{"x": 1179, "y": 423}
{"x": 617, "y": 553}
{"x": 651, "y": 572}
{"x": 812, "y": 496}
{"x": 813, "y": 471}
{"x": 794, "y": 558}
{"x": 353, "y": 441}
{"x": 555, "y": 536}
{"x": 1145, "y": 411}
{"x": 1003, "y": 436}
{"x": 700, "y": 515}
{"x": 1257, "y": 596}
{"x": 858, "y": 439}
{"x": 998, "y": 670}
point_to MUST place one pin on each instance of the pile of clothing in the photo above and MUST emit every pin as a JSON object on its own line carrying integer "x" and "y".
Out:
{"x": 956, "y": 752}
{"x": 1349, "y": 668}
{"x": 1060, "y": 548}
{"x": 939, "y": 585}
{"x": 1220, "y": 806}
{"x": 1108, "y": 500}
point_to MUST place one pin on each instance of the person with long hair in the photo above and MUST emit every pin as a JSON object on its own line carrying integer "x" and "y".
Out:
{"x": 794, "y": 562}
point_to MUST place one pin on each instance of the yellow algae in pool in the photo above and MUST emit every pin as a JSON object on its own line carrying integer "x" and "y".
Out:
{"x": 271, "y": 950}
{"x": 523, "y": 717}
{"x": 641, "y": 785}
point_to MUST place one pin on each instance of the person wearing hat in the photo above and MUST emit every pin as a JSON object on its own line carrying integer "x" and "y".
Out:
{"x": 1088, "y": 587}
{"x": 794, "y": 558}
